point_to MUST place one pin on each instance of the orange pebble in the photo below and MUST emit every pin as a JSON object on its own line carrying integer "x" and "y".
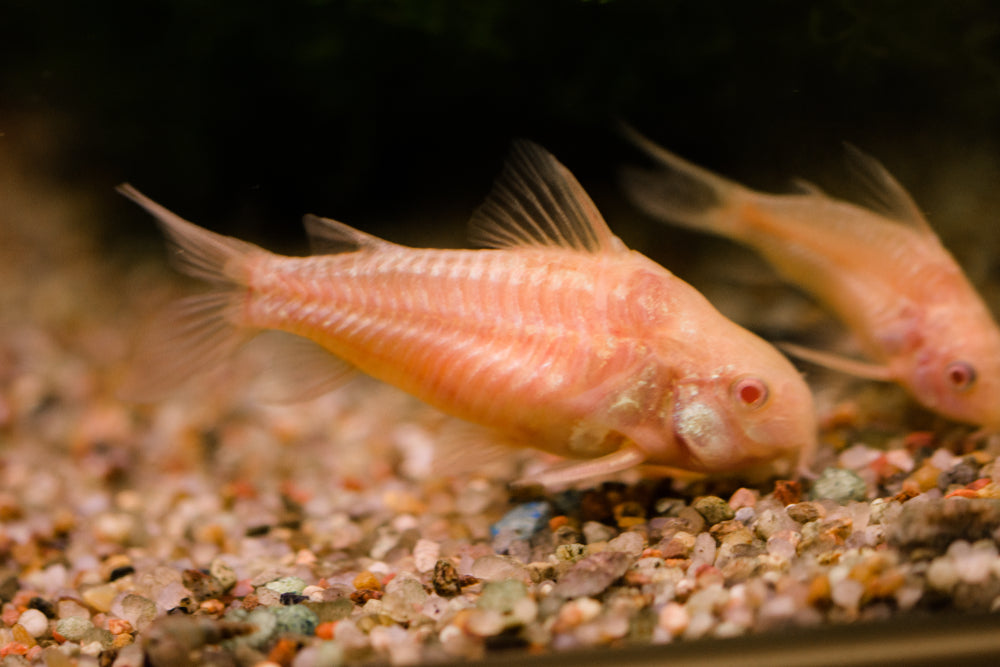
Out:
{"x": 558, "y": 521}
{"x": 326, "y": 630}
{"x": 284, "y": 651}
{"x": 367, "y": 580}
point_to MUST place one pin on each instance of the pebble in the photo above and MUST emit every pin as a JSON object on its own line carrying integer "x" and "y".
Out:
{"x": 75, "y": 628}
{"x": 137, "y": 610}
{"x": 594, "y": 532}
{"x": 713, "y": 509}
{"x": 286, "y": 585}
{"x": 593, "y": 574}
{"x": 404, "y": 596}
{"x": 34, "y": 622}
{"x": 294, "y": 619}
{"x": 493, "y": 567}
{"x": 425, "y": 554}
{"x": 524, "y": 520}
{"x": 838, "y": 485}
{"x": 501, "y": 596}
{"x": 629, "y": 542}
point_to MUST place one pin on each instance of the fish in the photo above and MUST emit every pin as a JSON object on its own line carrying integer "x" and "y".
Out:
{"x": 553, "y": 335}
{"x": 878, "y": 266}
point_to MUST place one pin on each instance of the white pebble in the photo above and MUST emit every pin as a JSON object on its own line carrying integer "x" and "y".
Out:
{"x": 900, "y": 458}
{"x": 484, "y": 622}
{"x": 858, "y": 457}
{"x": 942, "y": 574}
{"x": 974, "y": 567}
{"x": 942, "y": 459}
{"x": 34, "y": 622}
{"x": 674, "y": 618}
{"x": 700, "y": 625}
{"x": 704, "y": 551}
{"x": 630, "y": 542}
{"x": 847, "y": 593}
{"x": 425, "y": 554}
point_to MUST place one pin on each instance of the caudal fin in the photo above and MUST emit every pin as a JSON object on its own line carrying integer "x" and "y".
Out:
{"x": 200, "y": 332}
{"x": 682, "y": 193}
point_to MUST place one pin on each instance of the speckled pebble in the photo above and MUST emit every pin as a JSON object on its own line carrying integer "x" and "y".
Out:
{"x": 713, "y": 509}
{"x": 838, "y": 485}
{"x": 294, "y": 619}
{"x": 286, "y": 585}
{"x": 75, "y": 628}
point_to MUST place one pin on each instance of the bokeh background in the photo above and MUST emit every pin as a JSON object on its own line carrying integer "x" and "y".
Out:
{"x": 395, "y": 115}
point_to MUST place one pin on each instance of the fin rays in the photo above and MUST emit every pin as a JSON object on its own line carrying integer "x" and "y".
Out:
{"x": 536, "y": 201}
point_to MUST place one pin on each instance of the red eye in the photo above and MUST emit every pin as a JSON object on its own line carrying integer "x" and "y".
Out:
{"x": 961, "y": 375}
{"x": 751, "y": 392}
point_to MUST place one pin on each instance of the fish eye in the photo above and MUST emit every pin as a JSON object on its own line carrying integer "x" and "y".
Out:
{"x": 961, "y": 375}
{"x": 750, "y": 391}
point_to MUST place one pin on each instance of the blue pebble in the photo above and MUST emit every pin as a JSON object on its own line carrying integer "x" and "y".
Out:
{"x": 524, "y": 520}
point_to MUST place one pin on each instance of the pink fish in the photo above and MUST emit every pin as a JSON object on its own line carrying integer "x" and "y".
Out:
{"x": 881, "y": 270}
{"x": 557, "y": 338}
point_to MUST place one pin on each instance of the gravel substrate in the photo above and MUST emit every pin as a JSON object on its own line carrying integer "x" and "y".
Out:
{"x": 212, "y": 529}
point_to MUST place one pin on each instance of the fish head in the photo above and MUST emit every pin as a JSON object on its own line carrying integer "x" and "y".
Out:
{"x": 957, "y": 373}
{"x": 746, "y": 414}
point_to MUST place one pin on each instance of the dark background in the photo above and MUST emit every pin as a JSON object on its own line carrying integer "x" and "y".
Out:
{"x": 395, "y": 116}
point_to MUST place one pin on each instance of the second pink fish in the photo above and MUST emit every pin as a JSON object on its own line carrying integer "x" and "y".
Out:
{"x": 560, "y": 338}
{"x": 880, "y": 268}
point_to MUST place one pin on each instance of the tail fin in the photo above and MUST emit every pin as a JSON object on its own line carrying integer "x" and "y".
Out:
{"x": 682, "y": 193}
{"x": 200, "y": 332}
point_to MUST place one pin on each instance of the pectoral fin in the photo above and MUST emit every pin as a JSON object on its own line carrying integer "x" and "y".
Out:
{"x": 862, "y": 369}
{"x": 621, "y": 459}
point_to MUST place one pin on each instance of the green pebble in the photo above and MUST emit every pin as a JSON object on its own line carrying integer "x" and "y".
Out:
{"x": 224, "y": 574}
{"x": 267, "y": 628}
{"x": 501, "y": 595}
{"x": 295, "y": 619}
{"x": 286, "y": 585}
{"x": 838, "y": 485}
{"x": 713, "y": 509}
{"x": 74, "y": 628}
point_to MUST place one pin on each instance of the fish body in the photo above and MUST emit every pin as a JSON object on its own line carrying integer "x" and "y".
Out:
{"x": 562, "y": 339}
{"x": 880, "y": 268}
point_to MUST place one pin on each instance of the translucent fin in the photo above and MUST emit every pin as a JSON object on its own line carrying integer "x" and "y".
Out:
{"x": 294, "y": 368}
{"x": 625, "y": 458}
{"x": 836, "y": 362}
{"x": 195, "y": 251}
{"x": 328, "y": 237}
{"x": 189, "y": 337}
{"x": 881, "y": 192}
{"x": 808, "y": 187}
{"x": 196, "y": 334}
{"x": 680, "y": 192}
{"x": 536, "y": 201}
{"x": 459, "y": 448}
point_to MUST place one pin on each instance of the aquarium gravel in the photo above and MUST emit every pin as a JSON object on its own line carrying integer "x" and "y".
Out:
{"x": 214, "y": 529}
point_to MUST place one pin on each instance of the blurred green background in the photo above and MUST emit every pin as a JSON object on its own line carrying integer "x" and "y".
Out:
{"x": 395, "y": 115}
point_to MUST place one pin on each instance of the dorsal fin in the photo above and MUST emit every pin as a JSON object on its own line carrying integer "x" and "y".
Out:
{"x": 881, "y": 192}
{"x": 537, "y": 202}
{"x": 329, "y": 237}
